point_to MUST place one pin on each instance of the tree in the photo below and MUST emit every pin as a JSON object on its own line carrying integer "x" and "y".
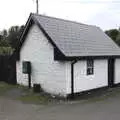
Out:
{"x": 5, "y": 33}
{"x": 113, "y": 33}
{"x": 9, "y": 39}
{"x": 3, "y": 40}
{"x": 14, "y": 34}
{"x": 118, "y": 39}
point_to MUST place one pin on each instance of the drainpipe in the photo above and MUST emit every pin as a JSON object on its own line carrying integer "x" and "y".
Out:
{"x": 72, "y": 78}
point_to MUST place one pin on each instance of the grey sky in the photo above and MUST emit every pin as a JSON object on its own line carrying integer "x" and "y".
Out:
{"x": 102, "y": 13}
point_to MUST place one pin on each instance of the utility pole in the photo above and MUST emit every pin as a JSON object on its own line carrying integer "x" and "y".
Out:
{"x": 37, "y": 6}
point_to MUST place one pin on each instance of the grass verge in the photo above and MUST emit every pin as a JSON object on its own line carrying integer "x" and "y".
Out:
{"x": 25, "y": 95}
{"x": 4, "y": 87}
{"x": 100, "y": 95}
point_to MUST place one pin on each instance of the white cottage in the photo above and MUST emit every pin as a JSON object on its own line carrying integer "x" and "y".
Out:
{"x": 66, "y": 57}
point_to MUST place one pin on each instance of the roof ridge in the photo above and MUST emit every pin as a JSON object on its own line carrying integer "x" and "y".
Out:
{"x": 75, "y": 22}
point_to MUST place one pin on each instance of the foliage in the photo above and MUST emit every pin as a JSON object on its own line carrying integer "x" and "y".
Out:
{"x": 3, "y": 40}
{"x": 13, "y": 35}
{"x": 118, "y": 39}
{"x": 6, "y": 50}
{"x": 10, "y": 38}
{"x": 114, "y": 34}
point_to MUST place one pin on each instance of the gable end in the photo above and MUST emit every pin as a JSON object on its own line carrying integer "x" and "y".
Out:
{"x": 29, "y": 23}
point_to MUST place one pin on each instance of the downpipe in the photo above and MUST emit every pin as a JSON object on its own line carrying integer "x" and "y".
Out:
{"x": 72, "y": 78}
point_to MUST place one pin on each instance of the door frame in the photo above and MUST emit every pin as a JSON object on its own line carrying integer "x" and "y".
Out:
{"x": 111, "y": 72}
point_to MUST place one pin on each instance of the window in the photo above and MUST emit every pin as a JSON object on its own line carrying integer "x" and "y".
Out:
{"x": 90, "y": 67}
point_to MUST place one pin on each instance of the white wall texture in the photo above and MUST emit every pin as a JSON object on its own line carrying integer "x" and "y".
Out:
{"x": 55, "y": 76}
{"x": 117, "y": 71}
{"x": 45, "y": 71}
{"x": 83, "y": 82}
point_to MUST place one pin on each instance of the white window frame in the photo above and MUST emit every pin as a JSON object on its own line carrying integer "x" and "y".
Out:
{"x": 90, "y": 67}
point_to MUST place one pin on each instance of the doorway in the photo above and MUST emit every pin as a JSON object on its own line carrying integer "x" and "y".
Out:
{"x": 111, "y": 72}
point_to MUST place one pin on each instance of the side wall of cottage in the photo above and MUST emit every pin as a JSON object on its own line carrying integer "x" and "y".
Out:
{"x": 84, "y": 82}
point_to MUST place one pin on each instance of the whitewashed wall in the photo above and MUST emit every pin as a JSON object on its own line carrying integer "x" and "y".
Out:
{"x": 45, "y": 71}
{"x": 83, "y": 82}
{"x": 117, "y": 71}
{"x": 55, "y": 76}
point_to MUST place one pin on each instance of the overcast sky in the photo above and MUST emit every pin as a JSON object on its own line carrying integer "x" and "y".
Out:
{"x": 102, "y": 13}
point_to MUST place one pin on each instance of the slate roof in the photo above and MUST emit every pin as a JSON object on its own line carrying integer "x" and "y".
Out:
{"x": 75, "y": 39}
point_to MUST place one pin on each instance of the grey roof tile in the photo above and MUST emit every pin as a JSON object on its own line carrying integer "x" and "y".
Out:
{"x": 76, "y": 39}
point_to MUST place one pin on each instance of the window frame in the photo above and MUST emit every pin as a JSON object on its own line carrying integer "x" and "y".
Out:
{"x": 90, "y": 67}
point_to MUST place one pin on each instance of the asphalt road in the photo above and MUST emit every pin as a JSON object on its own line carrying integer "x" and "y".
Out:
{"x": 108, "y": 109}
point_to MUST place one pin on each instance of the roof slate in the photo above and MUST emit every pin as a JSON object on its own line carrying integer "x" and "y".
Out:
{"x": 76, "y": 39}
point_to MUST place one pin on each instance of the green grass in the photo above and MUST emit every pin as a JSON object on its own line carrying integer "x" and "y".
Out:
{"x": 24, "y": 94}
{"x": 34, "y": 98}
{"x": 4, "y": 87}
{"x": 100, "y": 96}
{"x": 28, "y": 96}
